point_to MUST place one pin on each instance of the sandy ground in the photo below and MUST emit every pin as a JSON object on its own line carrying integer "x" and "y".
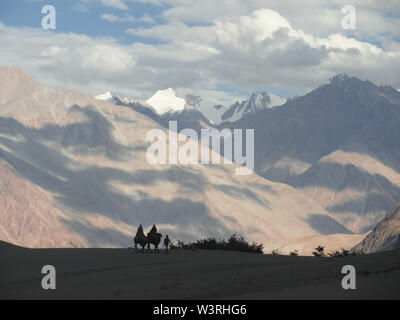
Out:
{"x": 123, "y": 274}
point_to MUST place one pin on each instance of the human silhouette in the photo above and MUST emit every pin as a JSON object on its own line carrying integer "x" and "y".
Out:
{"x": 140, "y": 238}
{"x": 140, "y": 230}
{"x": 153, "y": 229}
{"x": 167, "y": 242}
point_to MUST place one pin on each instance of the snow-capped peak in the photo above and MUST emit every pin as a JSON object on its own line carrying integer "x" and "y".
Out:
{"x": 164, "y": 101}
{"x": 113, "y": 98}
{"x": 105, "y": 96}
{"x": 258, "y": 101}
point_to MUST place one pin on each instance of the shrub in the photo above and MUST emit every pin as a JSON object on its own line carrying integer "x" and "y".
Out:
{"x": 357, "y": 253}
{"x": 319, "y": 251}
{"x": 182, "y": 245}
{"x": 340, "y": 253}
{"x": 276, "y": 252}
{"x": 294, "y": 253}
{"x": 234, "y": 243}
{"x": 345, "y": 253}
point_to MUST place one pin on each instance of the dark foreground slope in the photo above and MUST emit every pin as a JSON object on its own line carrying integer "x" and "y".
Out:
{"x": 121, "y": 274}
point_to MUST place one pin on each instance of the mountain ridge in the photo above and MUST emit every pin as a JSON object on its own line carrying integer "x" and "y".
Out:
{"x": 166, "y": 102}
{"x": 385, "y": 236}
{"x": 347, "y": 118}
{"x": 82, "y": 164}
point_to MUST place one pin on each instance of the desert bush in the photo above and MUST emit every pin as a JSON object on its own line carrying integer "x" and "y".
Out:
{"x": 345, "y": 253}
{"x": 276, "y": 252}
{"x": 319, "y": 251}
{"x": 182, "y": 245}
{"x": 234, "y": 243}
{"x": 340, "y": 253}
{"x": 71, "y": 245}
{"x": 294, "y": 253}
{"x": 357, "y": 253}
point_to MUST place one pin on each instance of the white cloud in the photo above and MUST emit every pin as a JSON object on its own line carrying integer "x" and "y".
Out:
{"x": 82, "y": 5}
{"x": 319, "y": 17}
{"x": 265, "y": 49}
{"x": 119, "y": 4}
{"x": 253, "y": 50}
{"x": 147, "y": 19}
{"x": 113, "y": 18}
{"x": 52, "y": 51}
{"x": 69, "y": 60}
{"x": 127, "y": 18}
{"x": 105, "y": 58}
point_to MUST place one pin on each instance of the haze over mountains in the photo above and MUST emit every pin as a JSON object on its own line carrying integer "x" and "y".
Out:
{"x": 339, "y": 145}
{"x": 75, "y": 170}
{"x": 74, "y": 173}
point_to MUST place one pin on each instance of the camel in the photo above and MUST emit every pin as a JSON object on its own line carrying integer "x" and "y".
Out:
{"x": 154, "y": 239}
{"x": 141, "y": 239}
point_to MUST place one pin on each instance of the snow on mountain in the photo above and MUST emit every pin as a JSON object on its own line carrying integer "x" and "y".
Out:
{"x": 276, "y": 101}
{"x": 164, "y": 101}
{"x": 74, "y": 173}
{"x": 116, "y": 99}
{"x": 258, "y": 101}
{"x": 217, "y": 113}
{"x": 105, "y": 96}
{"x": 210, "y": 111}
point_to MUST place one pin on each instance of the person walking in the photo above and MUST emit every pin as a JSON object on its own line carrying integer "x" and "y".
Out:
{"x": 167, "y": 242}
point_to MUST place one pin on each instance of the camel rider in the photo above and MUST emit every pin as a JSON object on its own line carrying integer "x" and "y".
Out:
{"x": 153, "y": 229}
{"x": 140, "y": 230}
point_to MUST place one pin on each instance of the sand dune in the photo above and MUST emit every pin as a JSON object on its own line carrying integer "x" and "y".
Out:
{"x": 122, "y": 274}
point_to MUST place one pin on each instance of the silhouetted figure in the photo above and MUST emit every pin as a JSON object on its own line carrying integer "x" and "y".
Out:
{"x": 140, "y": 238}
{"x": 140, "y": 230}
{"x": 167, "y": 242}
{"x": 153, "y": 229}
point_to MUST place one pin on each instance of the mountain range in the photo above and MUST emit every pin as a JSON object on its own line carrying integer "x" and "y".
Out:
{"x": 74, "y": 169}
{"x": 166, "y": 104}
{"x": 74, "y": 173}
{"x": 339, "y": 145}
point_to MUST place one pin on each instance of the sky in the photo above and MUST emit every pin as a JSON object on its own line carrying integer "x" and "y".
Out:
{"x": 219, "y": 50}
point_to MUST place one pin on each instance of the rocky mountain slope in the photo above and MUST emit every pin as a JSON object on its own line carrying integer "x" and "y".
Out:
{"x": 257, "y": 102}
{"x": 385, "y": 236}
{"x": 339, "y": 145}
{"x": 74, "y": 173}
